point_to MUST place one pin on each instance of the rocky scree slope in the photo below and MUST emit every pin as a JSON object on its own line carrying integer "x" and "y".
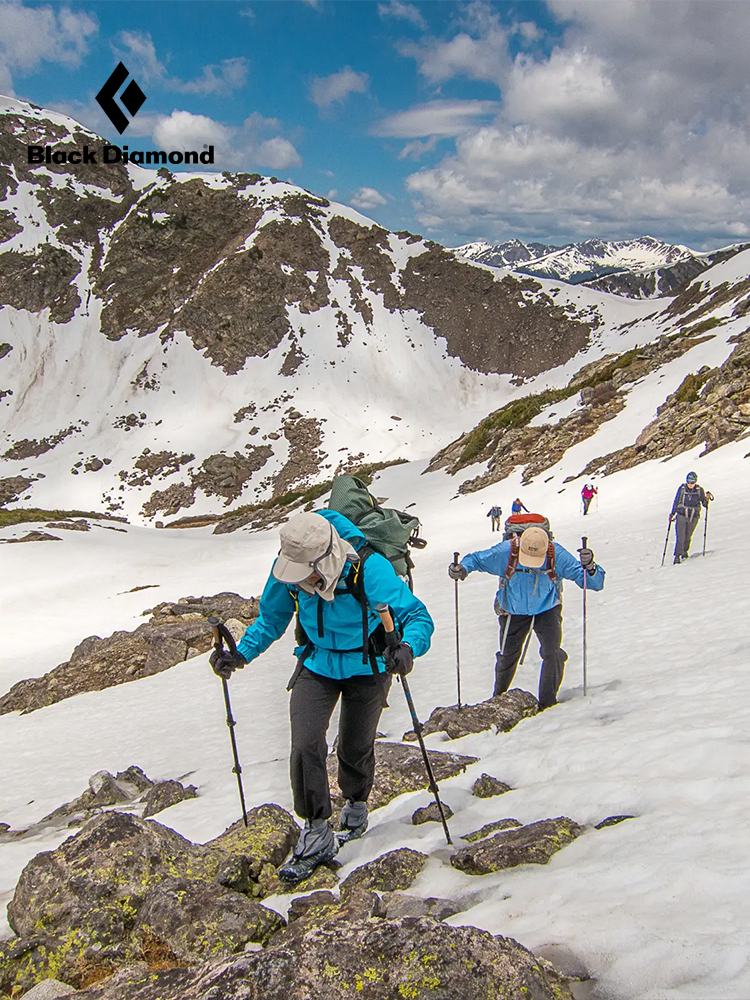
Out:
{"x": 174, "y": 342}
{"x": 709, "y": 407}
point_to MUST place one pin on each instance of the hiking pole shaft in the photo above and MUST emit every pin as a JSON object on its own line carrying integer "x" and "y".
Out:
{"x": 666, "y": 540}
{"x": 584, "y": 545}
{"x": 528, "y": 642}
{"x": 458, "y": 644}
{"x": 221, "y": 632}
{"x": 705, "y": 529}
{"x": 391, "y": 638}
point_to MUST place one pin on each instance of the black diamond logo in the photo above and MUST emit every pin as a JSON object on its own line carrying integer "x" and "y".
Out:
{"x": 132, "y": 97}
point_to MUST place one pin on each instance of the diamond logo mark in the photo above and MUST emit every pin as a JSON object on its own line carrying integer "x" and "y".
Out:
{"x": 132, "y": 98}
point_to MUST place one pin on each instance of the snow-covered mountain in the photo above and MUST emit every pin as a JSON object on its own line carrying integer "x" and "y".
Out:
{"x": 639, "y": 268}
{"x": 182, "y": 342}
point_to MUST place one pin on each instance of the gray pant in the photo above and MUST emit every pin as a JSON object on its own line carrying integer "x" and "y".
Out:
{"x": 684, "y": 528}
{"x": 313, "y": 700}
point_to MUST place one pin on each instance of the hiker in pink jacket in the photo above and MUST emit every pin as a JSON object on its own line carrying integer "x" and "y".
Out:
{"x": 587, "y": 495}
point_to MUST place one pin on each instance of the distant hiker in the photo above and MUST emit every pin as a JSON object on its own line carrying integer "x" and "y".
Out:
{"x": 686, "y": 512}
{"x": 530, "y": 568}
{"x": 517, "y": 507}
{"x": 320, "y": 572}
{"x": 587, "y": 495}
{"x": 495, "y": 513}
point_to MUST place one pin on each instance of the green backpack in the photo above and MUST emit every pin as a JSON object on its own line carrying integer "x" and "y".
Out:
{"x": 388, "y": 531}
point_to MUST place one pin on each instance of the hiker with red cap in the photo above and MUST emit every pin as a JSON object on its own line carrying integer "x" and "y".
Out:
{"x": 530, "y": 568}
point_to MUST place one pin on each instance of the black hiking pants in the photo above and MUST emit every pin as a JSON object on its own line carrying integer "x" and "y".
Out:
{"x": 684, "y": 526}
{"x": 513, "y": 632}
{"x": 313, "y": 700}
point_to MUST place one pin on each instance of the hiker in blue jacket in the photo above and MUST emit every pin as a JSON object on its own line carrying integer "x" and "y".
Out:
{"x": 495, "y": 512}
{"x": 530, "y": 570}
{"x": 517, "y": 507}
{"x": 320, "y": 572}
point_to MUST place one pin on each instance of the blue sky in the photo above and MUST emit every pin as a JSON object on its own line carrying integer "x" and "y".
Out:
{"x": 551, "y": 121}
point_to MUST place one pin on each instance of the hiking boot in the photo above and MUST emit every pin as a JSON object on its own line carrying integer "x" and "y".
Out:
{"x": 316, "y": 846}
{"x": 677, "y": 559}
{"x": 353, "y": 821}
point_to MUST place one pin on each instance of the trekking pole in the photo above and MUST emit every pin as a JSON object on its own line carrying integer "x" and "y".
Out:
{"x": 666, "y": 540}
{"x": 220, "y": 633}
{"x": 705, "y": 529}
{"x": 458, "y": 647}
{"x": 528, "y": 642}
{"x": 391, "y": 637}
{"x": 584, "y": 545}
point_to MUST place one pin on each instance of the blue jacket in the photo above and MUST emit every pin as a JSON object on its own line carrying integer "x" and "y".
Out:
{"x": 530, "y": 591}
{"x": 342, "y": 617}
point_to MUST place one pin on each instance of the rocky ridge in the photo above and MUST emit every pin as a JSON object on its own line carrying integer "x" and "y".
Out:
{"x": 129, "y": 910}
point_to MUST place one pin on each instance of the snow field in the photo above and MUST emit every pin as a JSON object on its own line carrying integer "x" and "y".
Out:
{"x": 657, "y": 907}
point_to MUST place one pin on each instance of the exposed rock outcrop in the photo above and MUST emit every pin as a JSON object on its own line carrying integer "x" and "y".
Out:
{"x": 174, "y": 633}
{"x": 502, "y": 712}
{"x": 533, "y": 844}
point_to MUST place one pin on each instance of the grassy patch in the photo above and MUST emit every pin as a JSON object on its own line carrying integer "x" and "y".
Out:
{"x": 689, "y": 389}
{"x": 704, "y": 327}
{"x": 294, "y": 498}
{"x": 23, "y": 514}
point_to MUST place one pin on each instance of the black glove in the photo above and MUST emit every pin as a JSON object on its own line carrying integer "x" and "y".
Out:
{"x": 225, "y": 663}
{"x": 399, "y": 658}
{"x": 457, "y": 572}
{"x": 587, "y": 560}
{"x": 709, "y": 496}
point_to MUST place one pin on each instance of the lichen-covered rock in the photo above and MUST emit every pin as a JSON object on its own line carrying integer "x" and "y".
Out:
{"x": 104, "y": 790}
{"x": 533, "y": 844}
{"x": 502, "y": 712}
{"x": 165, "y": 794}
{"x": 398, "y": 769}
{"x": 201, "y": 920}
{"x": 390, "y": 872}
{"x": 269, "y": 836}
{"x": 431, "y": 813}
{"x": 488, "y": 828}
{"x": 486, "y": 787}
{"x": 406, "y": 959}
{"x": 400, "y": 904}
{"x": 121, "y": 891}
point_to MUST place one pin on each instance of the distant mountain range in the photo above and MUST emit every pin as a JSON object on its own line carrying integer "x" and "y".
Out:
{"x": 640, "y": 268}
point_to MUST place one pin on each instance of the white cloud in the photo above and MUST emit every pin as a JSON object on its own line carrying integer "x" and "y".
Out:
{"x": 142, "y": 60}
{"x": 334, "y": 89}
{"x": 404, "y": 11}
{"x": 367, "y": 197}
{"x": 247, "y": 147}
{"x": 278, "y": 154}
{"x": 638, "y": 120}
{"x": 31, "y": 35}
{"x": 438, "y": 118}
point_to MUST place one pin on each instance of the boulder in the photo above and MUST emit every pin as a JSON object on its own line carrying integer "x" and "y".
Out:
{"x": 419, "y": 958}
{"x": 431, "y": 813}
{"x": 486, "y": 787}
{"x": 396, "y": 870}
{"x": 400, "y": 904}
{"x": 493, "y": 827}
{"x": 399, "y": 769}
{"x": 49, "y": 989}
{"x": 533, "y": 844}
{"x": 502, "y": 713}
{"x": 269, "y": 836}
{"x": 120, "y": 891}
{"x": 165, "y": 794}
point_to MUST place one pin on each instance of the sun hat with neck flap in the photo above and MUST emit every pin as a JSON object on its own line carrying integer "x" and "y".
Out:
{"x": 310, "y": 544}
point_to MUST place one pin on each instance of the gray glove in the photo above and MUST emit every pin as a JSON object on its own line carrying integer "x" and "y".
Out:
{"x": 457, "y": 572}
{"x": 225, "y": 663}
{"x": 587, "y": 560}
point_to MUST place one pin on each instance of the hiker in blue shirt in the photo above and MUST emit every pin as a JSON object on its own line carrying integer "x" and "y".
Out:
{"x": 530, "y": 570}
{"x": 321, "y": 572}
{"x": 517, "y": 507}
